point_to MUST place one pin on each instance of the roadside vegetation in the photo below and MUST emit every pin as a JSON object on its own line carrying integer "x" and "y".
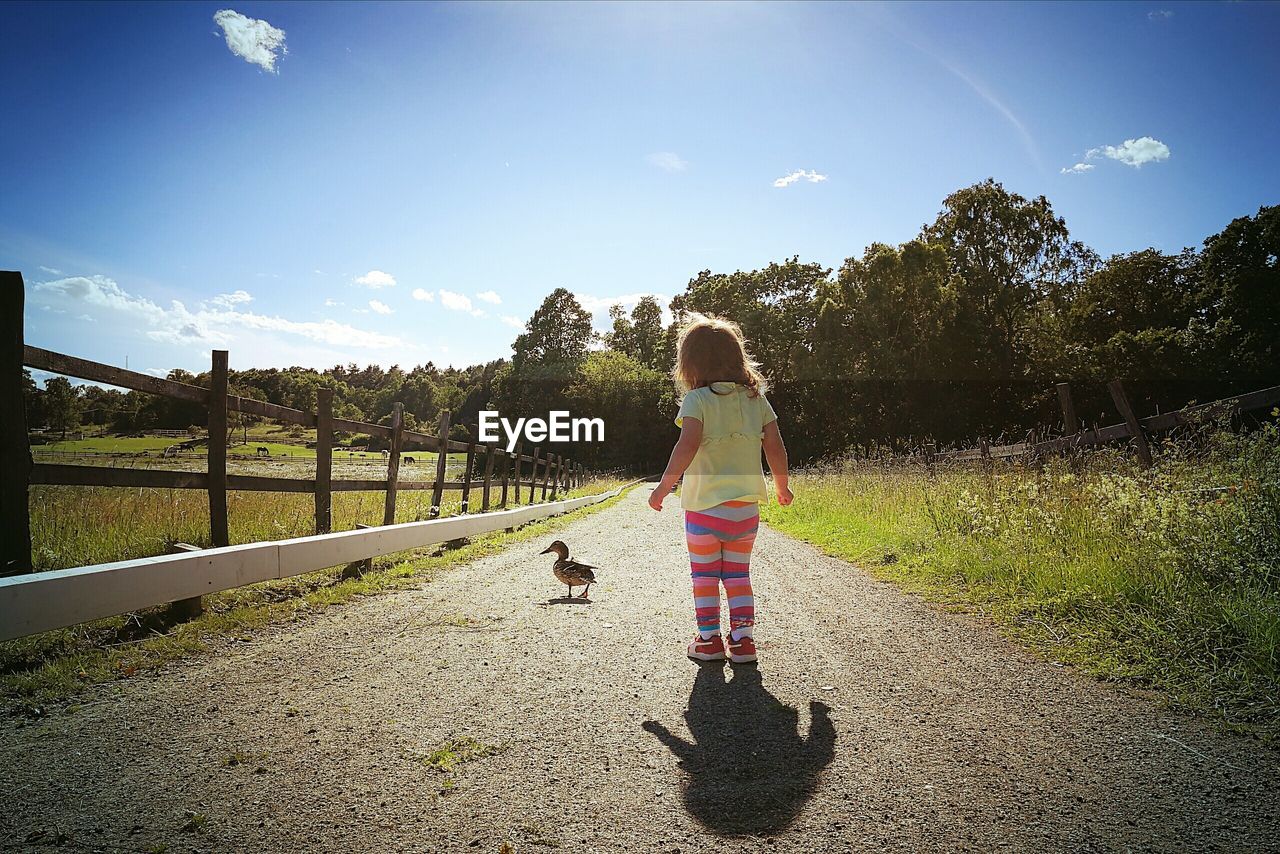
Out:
{"x": 1167, "y": 578}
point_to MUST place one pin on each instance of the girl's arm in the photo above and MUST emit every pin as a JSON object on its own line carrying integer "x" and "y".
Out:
{"x": 776, "y": 453}
{"x": 681, "y": 455}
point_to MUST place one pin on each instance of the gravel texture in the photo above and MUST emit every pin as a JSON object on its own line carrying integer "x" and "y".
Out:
{"x": 873, "y": 721}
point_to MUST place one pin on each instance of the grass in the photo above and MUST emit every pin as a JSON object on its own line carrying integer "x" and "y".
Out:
{"x": 111, "y": 445}
{"x": 457, "y": 751}
{"x": 1166, "y": 578}
{"x": 49, "y": 668}
{"x": 80, "y": 526}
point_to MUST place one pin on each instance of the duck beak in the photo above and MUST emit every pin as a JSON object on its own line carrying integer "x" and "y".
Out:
{"x": 545, "y": 551}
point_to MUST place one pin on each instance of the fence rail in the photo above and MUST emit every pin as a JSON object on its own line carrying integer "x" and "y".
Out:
{"x": 1138, "y": 429}
{"x": 487, "y": 467}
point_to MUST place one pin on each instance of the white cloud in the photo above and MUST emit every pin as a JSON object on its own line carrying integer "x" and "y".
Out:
{"x": 459, "y": 302}
{"x": 330, "y": 303}
{"x": 423, "y": 296}
{"x": 668, "y": 161}
{"x": 513, "y": 322}
{"x": 157, "y": 372}
{"x": 252, "y": 40}
{"x": 231, "y": 300}
{"x": 799, "y": 175}
{"x": 51, "y": 270}
{"x": 376, "y": 279}
{"x": 1160, "y": 15}
{"x": 1078, "y": 169}
{"x": 380, "y": 307}
{"x": 489, "y": 297}
{"x": 1133, "y": 152}
{"x": 211, "y": 324}
{"x": 87, "y": 317}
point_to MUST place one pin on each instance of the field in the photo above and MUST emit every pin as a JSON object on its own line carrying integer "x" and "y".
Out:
{"x": 280, "y": 442}
{"x": 78, "y": 526}
{"x": 1168, "y": 577}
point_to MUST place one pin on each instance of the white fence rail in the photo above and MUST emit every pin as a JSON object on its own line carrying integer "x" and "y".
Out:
{"x": 42, "y": 601}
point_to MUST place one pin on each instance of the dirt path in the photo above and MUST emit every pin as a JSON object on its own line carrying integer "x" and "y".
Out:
{"x": 873, "y": 721}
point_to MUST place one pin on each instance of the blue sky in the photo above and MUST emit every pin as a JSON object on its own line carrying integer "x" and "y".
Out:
{"x": 165, "y": 194}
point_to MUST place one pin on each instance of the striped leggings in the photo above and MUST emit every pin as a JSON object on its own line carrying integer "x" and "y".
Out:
{"x": 720, "y": 540}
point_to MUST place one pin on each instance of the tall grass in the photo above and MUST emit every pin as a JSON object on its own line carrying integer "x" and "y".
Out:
{"x": 1167, "y": 577}
{"x": 80, "y": 526}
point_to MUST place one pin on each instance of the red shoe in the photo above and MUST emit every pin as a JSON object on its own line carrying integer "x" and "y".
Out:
{"x": 708, "y": 649}
{"x": 742, "y": 650}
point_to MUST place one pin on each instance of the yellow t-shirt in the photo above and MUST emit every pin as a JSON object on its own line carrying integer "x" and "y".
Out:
{"x": 727, "y": 466}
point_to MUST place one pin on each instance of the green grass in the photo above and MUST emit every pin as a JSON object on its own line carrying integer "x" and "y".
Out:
{"x": 1150, "y": 577}
{"x": 45, "y": 669}
{"x": 457, "y": 751}
{"x": 111, "y": 445}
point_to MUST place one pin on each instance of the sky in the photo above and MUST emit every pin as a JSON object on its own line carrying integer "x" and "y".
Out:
{"x": 399, "y": 184}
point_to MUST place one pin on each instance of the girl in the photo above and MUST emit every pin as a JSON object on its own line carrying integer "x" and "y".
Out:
{"x": 724, "y": 420}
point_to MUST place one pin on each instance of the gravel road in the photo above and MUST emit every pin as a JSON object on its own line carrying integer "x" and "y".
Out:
{"x": 873, "y": 721}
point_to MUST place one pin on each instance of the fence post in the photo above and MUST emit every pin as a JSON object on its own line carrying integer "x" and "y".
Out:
{"x": 393, "y": 464}
{"x": 186, "y": 609}
{"x": 359, "y": 567}
{"x": 554, "y": 477}
{"x": 533, "y": 476}
{"x": 442, "y": 461}
{"x": 466, "y": 477}
{"x": 506, "y": 471}
{"x": 1070, "y": 424}
{"x": 515, "y": 478}
{"x": 546, "y": 475}
{"x": 1116, "y": 387}
{"x": 488, "y": 477}
{"x": 324, "y": 460}
{"x": 15, "y": 452}
{"x": 217, "y": 458}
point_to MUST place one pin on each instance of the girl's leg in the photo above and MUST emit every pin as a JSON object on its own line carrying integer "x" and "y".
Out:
{"x": 705, "y": 563}
{"x": 733, "y": 525}
{"x": 736, "y": 572}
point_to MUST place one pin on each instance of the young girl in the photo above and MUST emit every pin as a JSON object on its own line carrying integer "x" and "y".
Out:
{"x": 724, "y": 420}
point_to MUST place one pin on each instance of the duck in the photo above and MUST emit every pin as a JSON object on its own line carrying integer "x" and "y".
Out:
{"x": 570, "y": 572}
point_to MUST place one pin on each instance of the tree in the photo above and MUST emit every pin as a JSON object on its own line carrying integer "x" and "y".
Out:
{"x": 641, "y": 335}
{"x": 1132, "y": 315}
{"x": 777, "y": 309}
{"x": 1012, "y": 254}
{"x": 32, "y": 400}
{"x": 1241, "y": 281}
{"x": 558, "y": 334}
{"x": 62, "y": 404}
{"x": 637, "y": 405}
{"x": 884, "y": 333}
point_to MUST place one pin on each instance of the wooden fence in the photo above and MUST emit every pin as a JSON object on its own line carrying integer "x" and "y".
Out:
{"x": 501, "y": 478}
{"x": 1138, "y": 429}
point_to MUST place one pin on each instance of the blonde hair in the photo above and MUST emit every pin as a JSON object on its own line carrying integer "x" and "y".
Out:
{"x": 711, "y": 349}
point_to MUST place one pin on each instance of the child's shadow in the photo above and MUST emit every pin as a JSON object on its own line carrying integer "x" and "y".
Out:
{"x": 748, "y": 770}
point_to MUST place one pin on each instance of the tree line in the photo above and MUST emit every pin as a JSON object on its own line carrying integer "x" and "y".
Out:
{"x": 960, "y": 332}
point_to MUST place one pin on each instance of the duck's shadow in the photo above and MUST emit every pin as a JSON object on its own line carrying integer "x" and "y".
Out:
{"x": 748, "y": 770}
{"x": 567, "y": 600}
